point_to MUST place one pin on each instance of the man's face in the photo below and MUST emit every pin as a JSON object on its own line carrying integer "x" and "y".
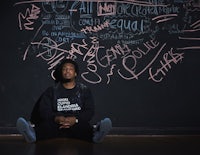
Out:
{"x": 68, "y": 72}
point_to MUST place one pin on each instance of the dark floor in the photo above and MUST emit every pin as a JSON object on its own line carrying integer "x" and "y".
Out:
{"x": 112, "y": 145}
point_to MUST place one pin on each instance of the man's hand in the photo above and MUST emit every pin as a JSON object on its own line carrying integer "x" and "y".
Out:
{"x": 65, "y": 122}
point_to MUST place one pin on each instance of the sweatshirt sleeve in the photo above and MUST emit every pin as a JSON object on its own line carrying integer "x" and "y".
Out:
{"x": 87, "y": 111}
{"x": 46, "y": 105}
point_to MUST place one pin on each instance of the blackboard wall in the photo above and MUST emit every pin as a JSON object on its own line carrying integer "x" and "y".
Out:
{"x": 140, "y": 58}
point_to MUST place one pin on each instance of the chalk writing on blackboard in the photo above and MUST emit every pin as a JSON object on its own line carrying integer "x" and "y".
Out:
{"x": 169, "y": 58}
{"x": 128, "y": 39}
{"x": 29, "y": 17}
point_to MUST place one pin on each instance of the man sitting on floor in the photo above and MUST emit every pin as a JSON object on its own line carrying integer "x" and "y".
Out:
{"x": 64, "y": 110}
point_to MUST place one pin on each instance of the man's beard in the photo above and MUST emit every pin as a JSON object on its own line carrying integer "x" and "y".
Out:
{"x": 63, "y": 80}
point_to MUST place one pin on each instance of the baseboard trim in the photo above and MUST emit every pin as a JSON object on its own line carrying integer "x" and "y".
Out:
{"x": 133, "y": 130}
{"x": 155, "y": 130}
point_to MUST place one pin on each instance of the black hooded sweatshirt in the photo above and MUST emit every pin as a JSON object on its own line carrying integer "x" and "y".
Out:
{"x": 59, "y": 101}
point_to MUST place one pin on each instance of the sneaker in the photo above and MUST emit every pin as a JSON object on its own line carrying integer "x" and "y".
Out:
{"x": 26, "y": 130}
{"x": 103, "y": 128}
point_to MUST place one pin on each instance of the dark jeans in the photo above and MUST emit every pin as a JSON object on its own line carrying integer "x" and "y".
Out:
{"x": 47, "y": 130}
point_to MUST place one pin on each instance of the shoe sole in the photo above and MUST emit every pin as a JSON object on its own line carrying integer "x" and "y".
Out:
{"x": 105, "y": 125}
{"x": 23, "y": 128}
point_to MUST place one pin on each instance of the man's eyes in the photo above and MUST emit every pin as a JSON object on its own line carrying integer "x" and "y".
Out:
{"x": 68, "y": 69}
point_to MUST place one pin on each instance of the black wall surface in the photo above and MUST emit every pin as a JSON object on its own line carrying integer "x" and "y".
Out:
{"x": 140, "y": 58}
